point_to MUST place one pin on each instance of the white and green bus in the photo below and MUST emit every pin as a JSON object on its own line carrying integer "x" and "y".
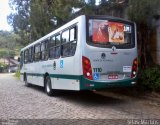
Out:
{"x": 87, "y": 53}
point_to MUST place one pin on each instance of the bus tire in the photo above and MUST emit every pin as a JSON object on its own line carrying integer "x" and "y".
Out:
{"x": 48, "y": 86}
{"x": 25, "y": 81}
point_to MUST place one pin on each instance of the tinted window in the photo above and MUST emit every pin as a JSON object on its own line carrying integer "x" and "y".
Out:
{"x": 54, "y": 47}
{"x": 37, "y": 53}
{"x": 65, "y": 36}
{"x": 44, "y": 50}
{"x": 26, "y": 56}
{"x": 52, "y": 41}
{"x": 69, "y": 42}
{"x": 106, "y": 33}
{"x": 30, "y": 55}
{"x": 73, "y": 34}
{"x": 58, "y": 40}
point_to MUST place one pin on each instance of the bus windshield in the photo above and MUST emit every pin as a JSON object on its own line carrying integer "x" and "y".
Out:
{"x": 106, "y": 32}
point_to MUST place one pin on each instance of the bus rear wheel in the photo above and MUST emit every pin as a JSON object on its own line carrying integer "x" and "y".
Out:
{"x": 48, "y": 86}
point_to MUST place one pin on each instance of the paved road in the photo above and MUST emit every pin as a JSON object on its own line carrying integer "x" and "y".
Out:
{"x": 20, "y": 102}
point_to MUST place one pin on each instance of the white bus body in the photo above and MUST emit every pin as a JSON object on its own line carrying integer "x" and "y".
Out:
{"x": 86, "y": 53}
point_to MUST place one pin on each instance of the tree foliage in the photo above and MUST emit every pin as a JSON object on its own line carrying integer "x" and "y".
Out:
{"x": 143, "y": 12}
{"x": 19, "y": 19}
{"x": 105, "y": 7}
{"x": 32, "y": 18}
{"x": 8, "y": 43}
{"x": 39, "y": 19}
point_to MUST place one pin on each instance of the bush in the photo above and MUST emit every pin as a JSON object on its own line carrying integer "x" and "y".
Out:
{"x": 150, "y": 78}
{"x": 3, "y": 67}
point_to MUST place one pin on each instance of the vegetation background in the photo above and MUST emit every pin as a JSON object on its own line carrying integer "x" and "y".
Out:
{"x": 32, "y": 19}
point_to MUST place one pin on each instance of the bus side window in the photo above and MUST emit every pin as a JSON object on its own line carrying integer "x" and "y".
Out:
{"x": 43, "y": 51}
{"x": 46, "y": 50}
{"x": 69, "y": 46}
{"x": 32, "y": 54}
{"x": 57, "y": 47}
{"x": 37, "y": 53}
{"x": 73, "y": 40}
{"x": 26, "y": 56}
{"x": 29, "y": 55}
{"x": 65, "y": 45}
{"x": 65, "y": 36}
{"x": 51, "y": 46}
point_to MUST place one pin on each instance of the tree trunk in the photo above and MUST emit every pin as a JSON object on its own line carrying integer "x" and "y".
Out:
{"x": 143, "y": 40}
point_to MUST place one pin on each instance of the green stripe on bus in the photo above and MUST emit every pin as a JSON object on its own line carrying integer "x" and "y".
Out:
{"x": 86, "y": 84}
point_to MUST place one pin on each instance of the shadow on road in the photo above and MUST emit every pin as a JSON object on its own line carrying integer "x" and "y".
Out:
{"x": 90, "y": 98}
{"x": 83, "y": 97}
{"x": 36, "y": 88}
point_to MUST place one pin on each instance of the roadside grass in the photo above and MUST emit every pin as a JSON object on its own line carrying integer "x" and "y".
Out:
{"x": 17, "y": 74}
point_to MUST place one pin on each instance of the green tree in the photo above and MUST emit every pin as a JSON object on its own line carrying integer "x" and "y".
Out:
{"x": 32, "y": 19}
{"x": 19, "y": 19}
{"x": 39, "y": 19}
{"x": 143, "y": 13}
{"x": 8, "y": 43}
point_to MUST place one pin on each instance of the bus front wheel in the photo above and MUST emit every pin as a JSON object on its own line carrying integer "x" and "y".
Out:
{"x": 48, "y": 86}
{"x": 25, "y": 81}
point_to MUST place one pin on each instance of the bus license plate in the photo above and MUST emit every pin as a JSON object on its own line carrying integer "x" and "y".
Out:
{"x": 113, "y": 76}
